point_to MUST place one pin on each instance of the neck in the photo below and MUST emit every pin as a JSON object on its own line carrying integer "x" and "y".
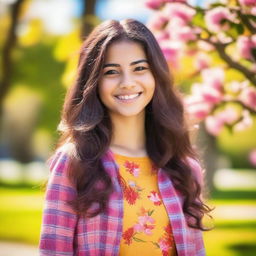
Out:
{"x": 128, "y": 135}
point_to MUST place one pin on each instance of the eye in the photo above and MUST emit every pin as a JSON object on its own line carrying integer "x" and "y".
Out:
{"x": 140, "y": 68}
{"x": 110, "y": 72}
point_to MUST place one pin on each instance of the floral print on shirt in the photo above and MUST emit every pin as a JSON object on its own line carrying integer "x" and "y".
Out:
{"x": 132, "y": 168}
{"x": 155, "y": 198}
{"x": 165, "y": 242}
{"x": 146, "y": 219}
{"x": 131, "y": 191}
{"x": 145, "y": 224}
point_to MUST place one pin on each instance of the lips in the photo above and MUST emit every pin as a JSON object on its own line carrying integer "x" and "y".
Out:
{"x": 128, "y": 96}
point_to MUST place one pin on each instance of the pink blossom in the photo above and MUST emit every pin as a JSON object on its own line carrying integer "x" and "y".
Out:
{"x": 179, "y": 11}
{"x": 202, "y": 45}
{"x": 253, "y": 11}
{"x": 202, "y": 61}
{"x": 157, "y": 21}
{"x": 248, "y": 97}
{"x": 184, "y": 33}
{"x": 171, "y": 51}
{"x": 197, "y": 108}
{"x": 171, "y": 55}
{"x": 222, "y": 37}
{"x": 234, "y": 87}
{"x": 175, "y": 1}
{"x": 214, "y": 18}
{"x": 161, "y": 35}
{"x": 154, "y": 4}
{"x": 214, "y": 77}
{"x": 247, "y": 2}
{"x": 245, "y": 123}
{"x": 211, "y": 94}
{"x": 252, "y": 157}
{"x": 191, "y": 52}
{"x": 229, "y": 115}
{"x": 207, "y": 93}
{"x": 175, "y": 23}
{"x": 214, "y": 125}
{"x": 245, "y": 45}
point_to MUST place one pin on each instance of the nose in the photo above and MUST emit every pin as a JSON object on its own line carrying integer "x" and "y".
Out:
{"x": 127, "y": 81}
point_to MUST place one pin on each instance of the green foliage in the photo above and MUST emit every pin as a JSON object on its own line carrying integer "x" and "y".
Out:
{"x": 235, "y": 30}
{"x": 37, "y": 69}
{"x": 198, "y": 19}
{"x": 237, "y": 145}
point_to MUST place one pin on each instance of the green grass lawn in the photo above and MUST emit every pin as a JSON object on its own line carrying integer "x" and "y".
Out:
{"x": 231, "y": 238}
{"x": 21, "y": 213}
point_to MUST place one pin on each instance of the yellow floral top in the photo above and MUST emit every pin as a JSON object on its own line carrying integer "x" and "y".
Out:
{"x": 146, "y": 227}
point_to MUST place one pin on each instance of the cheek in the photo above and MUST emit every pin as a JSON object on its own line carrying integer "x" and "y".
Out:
{"x": 105, "y": 91}
{"x": 151, "y": 83}
{"x": 101, "y": 91}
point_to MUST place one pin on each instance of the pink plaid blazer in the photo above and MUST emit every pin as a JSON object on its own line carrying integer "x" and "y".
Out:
{"x": 65, "y": 233}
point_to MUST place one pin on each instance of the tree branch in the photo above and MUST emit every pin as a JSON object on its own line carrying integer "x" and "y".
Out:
{"x": 252, "y": 111}
{"x": 247, "y": 73}
{"x": 235, "y": 65}
{"x": 246, "y": 22}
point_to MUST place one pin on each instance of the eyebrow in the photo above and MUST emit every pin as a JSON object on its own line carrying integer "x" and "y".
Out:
{"x": 117, "y": 65}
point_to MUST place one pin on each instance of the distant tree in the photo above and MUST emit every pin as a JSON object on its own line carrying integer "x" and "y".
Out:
{"x": 26, "y": 55}
{"x": 89, "y": 18}
{"x": 8, "y": 47}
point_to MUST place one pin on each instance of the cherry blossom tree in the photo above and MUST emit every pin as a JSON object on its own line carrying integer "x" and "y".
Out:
{"x": 221, "y": 41}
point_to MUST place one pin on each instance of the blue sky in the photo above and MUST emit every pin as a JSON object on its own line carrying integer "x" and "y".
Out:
{"x": 57, "y": 15}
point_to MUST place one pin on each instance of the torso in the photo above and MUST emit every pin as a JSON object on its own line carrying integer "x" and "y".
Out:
{"x": 146, "y": 226}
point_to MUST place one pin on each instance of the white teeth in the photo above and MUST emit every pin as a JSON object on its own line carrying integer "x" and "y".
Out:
{"x": 127, "y": 97}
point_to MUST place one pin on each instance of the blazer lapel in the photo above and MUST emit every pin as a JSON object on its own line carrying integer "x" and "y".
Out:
{"x": 113, "y": 220}
{"x": 173, "y": 204}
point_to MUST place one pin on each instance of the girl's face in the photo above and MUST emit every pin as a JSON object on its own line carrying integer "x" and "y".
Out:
{"x": 126, "y": 83}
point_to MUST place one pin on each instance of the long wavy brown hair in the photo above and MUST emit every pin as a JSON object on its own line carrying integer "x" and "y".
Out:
{"x": 86, "y": 125}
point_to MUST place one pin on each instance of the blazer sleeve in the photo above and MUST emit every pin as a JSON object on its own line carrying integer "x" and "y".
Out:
{"x": 59, "y": 220}
{"x": 198, "y": 173}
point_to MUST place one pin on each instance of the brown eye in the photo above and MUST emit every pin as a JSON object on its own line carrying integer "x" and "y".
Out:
{"x": 110, "y": 72}
{"x": 140, "y": 68}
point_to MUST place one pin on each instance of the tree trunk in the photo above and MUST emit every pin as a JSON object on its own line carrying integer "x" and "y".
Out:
{"x": 89, "y": 18}
{"x": 9, "y": 44}
{"x": 208, "y": 152}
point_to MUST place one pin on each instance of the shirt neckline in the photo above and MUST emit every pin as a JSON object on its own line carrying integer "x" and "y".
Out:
{"x": 137, "y": 158}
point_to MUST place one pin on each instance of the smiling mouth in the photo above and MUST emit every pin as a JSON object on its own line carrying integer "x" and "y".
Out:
{"x": 128, "y": 97}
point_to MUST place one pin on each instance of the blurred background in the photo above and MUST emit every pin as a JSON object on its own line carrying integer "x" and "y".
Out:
{"x": 211, "y": 50}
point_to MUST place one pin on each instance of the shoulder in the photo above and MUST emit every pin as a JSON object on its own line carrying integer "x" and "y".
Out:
{"x": 59, "y": 159}
{"x": 58, "y": 165}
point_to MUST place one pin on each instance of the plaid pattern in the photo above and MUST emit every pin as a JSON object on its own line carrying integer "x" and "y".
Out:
{"x": 65, "y": 233}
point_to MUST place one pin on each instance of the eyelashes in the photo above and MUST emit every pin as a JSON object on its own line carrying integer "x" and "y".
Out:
{"x": 113, "y": 71}
{"x": 110, "y": 72}
{"x": 140, "y": 68}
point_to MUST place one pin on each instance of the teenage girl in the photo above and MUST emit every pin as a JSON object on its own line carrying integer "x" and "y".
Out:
{"x": 124, "y": 178}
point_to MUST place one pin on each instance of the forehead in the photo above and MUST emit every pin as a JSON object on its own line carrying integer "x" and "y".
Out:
{"x": 121, "y": 51}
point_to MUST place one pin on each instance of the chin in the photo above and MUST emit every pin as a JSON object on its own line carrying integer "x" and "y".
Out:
{"x": 135, "y": 113}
